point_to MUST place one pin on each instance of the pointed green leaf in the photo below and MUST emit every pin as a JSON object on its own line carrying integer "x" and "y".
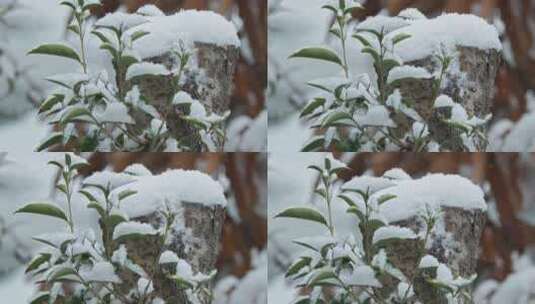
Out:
{"x": 60, "y": 50}
{"x": 43, "y": 209}
{"x": 303, "y": 213}
{"x": 318, "y": 53}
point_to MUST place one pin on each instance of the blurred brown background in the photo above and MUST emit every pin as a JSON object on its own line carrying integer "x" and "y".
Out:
{"x": 513, "y": 80}
{"x": 508, "y": 180}
{"x": 246, "y": 174}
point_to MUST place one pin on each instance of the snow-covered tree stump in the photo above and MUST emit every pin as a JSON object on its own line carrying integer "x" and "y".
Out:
{"x": 187, "y": 208}
{"x": 456, "y": 245}
{"x": 208, "y": 77}
{"x": 471, "y": 85}
{"x": 470, "y": 77}
{"x": 217, "y": 65}
{"x": 197, "y": 242}
{"x": 453, "y": 241}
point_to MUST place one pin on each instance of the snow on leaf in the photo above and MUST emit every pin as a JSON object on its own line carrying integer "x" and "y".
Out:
{"x": 101, "y": 272}
{"x": 133, "y": 229}
{"x": 115, "y": 112}
{"x": 407, "y": 72}
{"x": 428, "y": 261}
{"x": 397, "y": 174}
{"x": 146, "y": 69}
{"x": 168, "y": 257}
{"x": 361, "y": 276}
{"x": 392, "y": 232}
{"x": 444, "y": 101}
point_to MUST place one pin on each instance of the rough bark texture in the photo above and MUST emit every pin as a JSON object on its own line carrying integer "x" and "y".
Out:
{"x": 457, "y": 247}
{"x": 197, "y": 243}
{"x": 470, "y": 81}
{"x": 211, "y": 85}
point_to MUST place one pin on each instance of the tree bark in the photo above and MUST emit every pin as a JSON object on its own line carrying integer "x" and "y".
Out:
{"x": 196, "y": 240}
{"x": 457, "y": 246}
{"x": 474, "y": 91}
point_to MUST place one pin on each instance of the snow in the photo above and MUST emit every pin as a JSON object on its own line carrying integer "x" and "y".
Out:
{"x": 75, "y": 159}
{"x": 335, "y": 163}
{"x": 128, "y": 228}
{"x": 144, "y": 286}
{"x": 183, "y": 98}
{"x": 150, "y": 10}
{"x": 146, "y": 68}
{"x": 444, "y": 101}
{"x": 120, "y": 255}
{"x": 378, "y": 116}
{"x": 174, "y": 187}
{"x": 105, "y": 178}
{"x": 382, "y": 23}
{"x": 168, "y": 257}
{"x": 521, "y": 138}
{"x": 433, "y": 189}
{"x": 121, "y": 20}
{"x": 407, "y": 71}
{"x": 115, "y": 112}
{"x": 397, "y": 174}
{"x": 137, "y": 169}
{"x": 392, "y": 232}
{"x": 411, "y": 13}
{"x": 516, "y": 288}
{"x": 255, "y": 137}
{"x": 428, "y": 261}
{"x": 449, "y": 30}
{"x": 101, "y": 272}
{"x": 188, "y": 25}
{"x": 361, "y": 276}
{"x": 368, "y": 183}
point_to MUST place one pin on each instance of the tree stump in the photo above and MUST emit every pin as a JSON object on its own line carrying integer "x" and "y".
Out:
{"x": 195, "y": 240}
{"x": 211, "y": 84}
{"x": 454, "y": 242}
{"x": 469, "y": 81}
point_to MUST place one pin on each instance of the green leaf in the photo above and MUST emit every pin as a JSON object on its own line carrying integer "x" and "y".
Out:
{"x": 297, "y": 266}
{"x": 61, "y": 273}
{"x": 109, "y": 47}
{"x": 347, "y": 200}
{"x": 43, "y": 209}
{"x": 60, "y": 50}
{"x": 40, "y": 298}
{"x": 181, "y": 282}
{"x": 98, "y": 208}
{"x": 50, "y": 102}
{"x": 315, "y": 144}
{"x": 334, "y": 118}
{"x": 73, "y": 114}
{"x": 372, "y": 52}
{"x": 55, "y": 138}
{"x": 101, "y": 36}
{"x": 303, "y": 213}
{"x": 88, "y": 195}
{"x": 138, "y": 34}
{"x": 385, "y": 197}
{"x": 362, "y": 40}
{"x": 312, "y": 106}
{"x": 355, "y": 210}
{"x": 400, "y": 37}
{"x": 126, "y": 193}
{"x": 318, "y": 53}
{"x": 321, "y": 276}
{"x": 38, "y": 261}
